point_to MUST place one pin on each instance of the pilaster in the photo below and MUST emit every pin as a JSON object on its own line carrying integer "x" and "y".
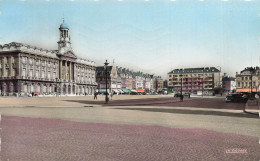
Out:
{"x": 60, "y": 69}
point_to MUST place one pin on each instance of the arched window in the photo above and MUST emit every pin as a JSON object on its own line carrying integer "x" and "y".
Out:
{"x": 69, "y": 89}
{"x": 64, "y": 89}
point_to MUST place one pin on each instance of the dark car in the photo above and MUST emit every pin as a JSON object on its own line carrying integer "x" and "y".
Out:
{"x": 177, "y": 95}
{"x": 237, "y": 97}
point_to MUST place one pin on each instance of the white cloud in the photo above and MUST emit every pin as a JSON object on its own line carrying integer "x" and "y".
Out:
{"x": 146, "y": 0}
{"x": 120, "y": 0}
{"x": 225, "y": 0}
{"x": 201, "y": 0}
{"x": 173, "y": 0}
{"x": 248, "y": 0}
{"x": 96, "y": 0}
{"x": 22, "y": 0}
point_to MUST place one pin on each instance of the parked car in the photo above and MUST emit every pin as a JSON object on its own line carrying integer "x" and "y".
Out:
{"x": 177, "y": 95}
{"x": 237, "y": 97}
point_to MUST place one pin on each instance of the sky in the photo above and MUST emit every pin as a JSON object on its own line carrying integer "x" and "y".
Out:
{"x": 153, "y": 36}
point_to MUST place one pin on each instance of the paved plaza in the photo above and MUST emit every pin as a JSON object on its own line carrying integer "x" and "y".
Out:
{"x": 127, "y": 128}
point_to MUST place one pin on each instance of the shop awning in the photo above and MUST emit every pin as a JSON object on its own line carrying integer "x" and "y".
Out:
{"x": 115, "y": 90}
{"x": 120, "y": 91}
{"x": 246, "y": 90}
{"x": 132, "y": 90}
{"x": 125, "y": 90}
{"x": 140, "y": 90}
{"x": 103, "y": 90}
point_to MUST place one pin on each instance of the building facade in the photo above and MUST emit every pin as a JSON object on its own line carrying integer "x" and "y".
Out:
{"x": 228, "y": 84}
{"x": 194, "y": 80}
{"x": 25, "y": 69}
{"x": 247, "y": 79}
{"x": 119, "y": 80}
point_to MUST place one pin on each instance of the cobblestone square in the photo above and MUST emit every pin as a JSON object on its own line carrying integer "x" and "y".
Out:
{"x": 127, "y": 128}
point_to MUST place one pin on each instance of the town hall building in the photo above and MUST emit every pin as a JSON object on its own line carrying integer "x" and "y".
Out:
{"x": 26, "y": 69}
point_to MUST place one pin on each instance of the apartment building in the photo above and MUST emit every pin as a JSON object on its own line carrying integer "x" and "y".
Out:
{"x": 246, "y": 77}
{"x": 194, "y": 80}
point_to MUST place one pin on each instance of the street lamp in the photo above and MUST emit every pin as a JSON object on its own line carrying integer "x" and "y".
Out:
{"x": 181, "y": 97}
{"x": 202, "y": 85}
{"x": 251, "y": 78}
{"x": 105, "y": 67}
{"x": 219, "y": 79}
{"x": 56, "y": 87}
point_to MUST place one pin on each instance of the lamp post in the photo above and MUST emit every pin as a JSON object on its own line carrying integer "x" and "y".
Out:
{"x": 181, "y": 97}
{"x": 219, "y": 79}
{"x": 202, "y": 85}
{"x": 251, "y": 83}
{"x": 57, "y": 87}
{"x": 105, "y": 67}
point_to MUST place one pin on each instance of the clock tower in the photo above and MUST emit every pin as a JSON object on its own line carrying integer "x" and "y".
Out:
{"x": 64, "y": 41}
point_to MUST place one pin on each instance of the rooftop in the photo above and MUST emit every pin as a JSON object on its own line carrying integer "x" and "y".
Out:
{"x": 195, "y": 70}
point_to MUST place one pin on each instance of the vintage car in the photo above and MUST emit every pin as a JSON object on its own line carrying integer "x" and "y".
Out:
{"x": 237, "y": 97}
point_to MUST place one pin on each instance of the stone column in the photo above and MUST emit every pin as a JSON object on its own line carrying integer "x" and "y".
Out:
{"x": 10, "y": 67}
{"x": 60, "y": 69}
{"x": 3, "y": 66}
{"x": 70, "y": 77}
{"x": 66, "y": 73}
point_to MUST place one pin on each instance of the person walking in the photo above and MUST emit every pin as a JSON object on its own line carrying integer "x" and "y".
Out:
{"x": 95, "y": 95}
{"x": 111, "y": 95}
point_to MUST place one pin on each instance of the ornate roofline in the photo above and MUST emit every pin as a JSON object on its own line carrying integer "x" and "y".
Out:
{"x": 14, "y": 46}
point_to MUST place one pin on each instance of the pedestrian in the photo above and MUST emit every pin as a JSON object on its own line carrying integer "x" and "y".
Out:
{"x": 111, "y": 95}
{"x": 189, "y": 95}
{"x": 95, "y": 95}
{"x": 32, "y": 94}
{"x": 181, "y": 97}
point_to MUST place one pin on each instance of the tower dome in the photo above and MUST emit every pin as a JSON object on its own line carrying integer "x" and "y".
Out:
{"x": 64, "y": 26}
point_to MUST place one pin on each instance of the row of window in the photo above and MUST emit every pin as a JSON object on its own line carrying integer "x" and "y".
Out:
{"x": 8, "y": 72}
{"x": 190, "y": 75}
{"x": 37, "y": 62}
{"x": 245, "y": 84}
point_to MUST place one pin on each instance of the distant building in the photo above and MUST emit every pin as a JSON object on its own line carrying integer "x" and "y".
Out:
{"x": 194, "y": 80}
{"x": 228, "y": 84}
{"x": 165, "y": 84}
{"x": 113, "y": 79}
{"x": 25, "y": 69}
{"x": 158, "y": 83}
{"x": 122, "y": 80}
{"x": 246, "y": 77}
